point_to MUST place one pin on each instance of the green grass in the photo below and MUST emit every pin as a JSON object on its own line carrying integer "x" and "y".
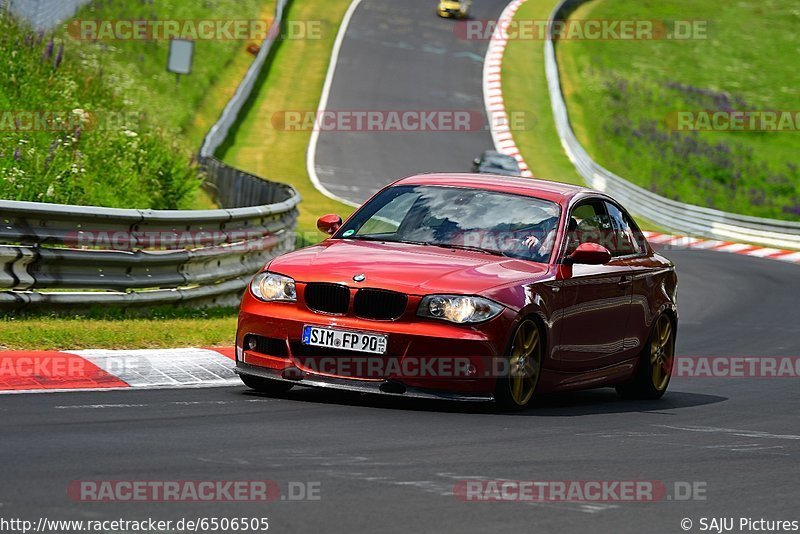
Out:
{"x": 72, "y": 155}
{"x": 525, "y": 90}
{"x": 140, "y": 127}
{"x": 296, "y": 63}
{"x": 294, "y": 82}
{"x": 169, "y": 328}
{"x": 187, "y": 105}
{"x": 620, "y": 93}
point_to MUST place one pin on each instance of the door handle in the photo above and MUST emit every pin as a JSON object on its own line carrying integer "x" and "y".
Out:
{"x": 625, "y": 281}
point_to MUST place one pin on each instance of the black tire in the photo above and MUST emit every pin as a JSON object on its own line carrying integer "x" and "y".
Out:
{"x": 522, "y": 369}
{"x": 265, "y": 385}
{"x": 655, "y": 364}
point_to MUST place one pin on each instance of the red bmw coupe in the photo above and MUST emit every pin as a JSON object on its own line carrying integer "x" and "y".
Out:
{"x": 470, "y": 287}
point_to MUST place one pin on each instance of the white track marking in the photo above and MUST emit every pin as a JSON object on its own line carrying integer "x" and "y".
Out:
{"x": 658, "y": 239}
{"x": 794, "y": 257}
{"x": 732, "y": 431}
{"x": 128, "y": 388}
{"x": 164, "y": 368}
{"x": 682, "y": 241}
{"x": 763, "y": 252}
{"x": 734, "y": 247}
{"x": 502, "y": 136}
{"x": 172, "y": 403}
{"x": 311, "y": 153}
{"x": 678, "y": 241}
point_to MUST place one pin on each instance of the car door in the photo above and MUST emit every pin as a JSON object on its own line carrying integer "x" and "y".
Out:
{"x": 630, "y": 246}
{"x": 594, "y": 300}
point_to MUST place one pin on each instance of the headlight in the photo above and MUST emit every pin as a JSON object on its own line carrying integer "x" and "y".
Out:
{"x": 270, "y": 287}
{"x": 458, "y": 309}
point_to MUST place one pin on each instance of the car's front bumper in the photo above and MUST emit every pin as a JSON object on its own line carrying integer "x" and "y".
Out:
{"x": 424, "y": 358}
{"x": 383, "y": 387}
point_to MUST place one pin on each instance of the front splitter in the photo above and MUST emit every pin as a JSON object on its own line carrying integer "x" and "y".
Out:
{"x": 360, "y": 386}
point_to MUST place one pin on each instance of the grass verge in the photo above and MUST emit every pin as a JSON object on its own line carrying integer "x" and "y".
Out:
{"x": 209, "y": 328}
{"x": 107, "y": 124}
{"x": 252, "y": 147}
{"x": 624, "y": 96}
{"x": 294, "y": 82}
{"x": 187, "y": 105}
{"x": 525, "y": 90}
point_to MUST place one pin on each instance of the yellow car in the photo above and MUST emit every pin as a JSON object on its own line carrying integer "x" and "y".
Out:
{"x": 454, "y": 9}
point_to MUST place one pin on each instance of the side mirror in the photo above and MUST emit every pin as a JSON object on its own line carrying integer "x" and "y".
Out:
{"x": 476, "y": 162}
{"x": 589, "y": 254}
{"x": 329, "y": 224}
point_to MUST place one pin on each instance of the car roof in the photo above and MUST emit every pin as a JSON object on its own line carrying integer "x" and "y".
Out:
{"x": 544, "y": 189}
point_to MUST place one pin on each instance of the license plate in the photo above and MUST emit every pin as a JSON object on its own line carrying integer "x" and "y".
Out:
{"x": 332, "y": 338}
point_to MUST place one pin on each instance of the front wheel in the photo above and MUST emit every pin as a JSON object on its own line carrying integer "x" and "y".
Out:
{"x": 523, "y": 365}
{"x": 655, "y": 364}
{"x": 265, "y": 385}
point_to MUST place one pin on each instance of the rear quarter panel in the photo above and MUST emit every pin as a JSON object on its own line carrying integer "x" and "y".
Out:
{"x": 655, "y": 285}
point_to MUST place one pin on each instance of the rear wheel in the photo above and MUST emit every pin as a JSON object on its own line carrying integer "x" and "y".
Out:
{"x": 523, "y": 366}
{"x": 265, "y": 385}
{"x": 655, "y": 364}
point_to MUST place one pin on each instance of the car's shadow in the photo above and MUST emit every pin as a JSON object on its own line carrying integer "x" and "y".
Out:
{"x": 579, "y": 403}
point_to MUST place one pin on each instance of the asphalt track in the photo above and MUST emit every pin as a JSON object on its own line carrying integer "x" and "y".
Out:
{"x": 398, "y": 55}
{"x": 389, "y": 465}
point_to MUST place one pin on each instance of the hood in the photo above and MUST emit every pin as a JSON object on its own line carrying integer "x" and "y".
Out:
{"x": 450, "y": 4}
{"x": 412, "y": 269}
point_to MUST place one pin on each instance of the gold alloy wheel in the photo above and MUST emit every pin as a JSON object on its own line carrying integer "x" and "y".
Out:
{"x": 525, "y": 361}
{"x": 662, "y": 353}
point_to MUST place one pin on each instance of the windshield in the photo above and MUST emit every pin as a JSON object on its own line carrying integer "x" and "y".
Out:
{"x": 496, "y": 223}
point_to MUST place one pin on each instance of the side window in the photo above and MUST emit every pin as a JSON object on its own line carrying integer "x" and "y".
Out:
{"x": 627, "y": 238}
{"x": 588, "y": 223}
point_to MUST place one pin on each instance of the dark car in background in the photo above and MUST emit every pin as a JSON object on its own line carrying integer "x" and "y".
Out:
{"x": 493, "y": 162}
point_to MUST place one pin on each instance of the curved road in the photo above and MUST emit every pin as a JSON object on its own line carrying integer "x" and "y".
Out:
{"x": 399, "y": 56}
{"x": 390, "y": 466}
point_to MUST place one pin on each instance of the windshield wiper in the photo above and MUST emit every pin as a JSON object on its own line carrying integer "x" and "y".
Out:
{"x": 387, "y": 240}
{"x": 428, "y": 244}
{"x": 473, "y": 249}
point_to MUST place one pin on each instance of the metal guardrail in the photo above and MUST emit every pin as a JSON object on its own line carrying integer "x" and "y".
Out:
{"x": 110, "y": 256}
{"x": 76, "y": 257}
{"x": 670, "y": 214}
